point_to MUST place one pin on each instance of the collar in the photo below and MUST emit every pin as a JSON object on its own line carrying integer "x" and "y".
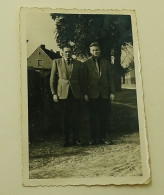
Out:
{"x": 94, "y": 59}
{"x": 67, "y": 59}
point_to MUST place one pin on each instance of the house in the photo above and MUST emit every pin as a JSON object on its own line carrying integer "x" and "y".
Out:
{"x": 39, "y": 68}
{"x": 127, "y": 62}
{"x": 42, "y": 58}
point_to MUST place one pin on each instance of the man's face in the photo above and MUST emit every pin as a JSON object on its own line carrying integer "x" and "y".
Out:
{"x": 67, "y": 52}
{"x": 95, "y": 51}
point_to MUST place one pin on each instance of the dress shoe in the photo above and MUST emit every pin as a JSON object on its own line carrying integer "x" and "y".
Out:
{"x": 76, "y": 143}
{"x": 111, "y": 142}
{"x": 93, "y": 142}
{"x": 66, "y": 144}
{"x": 103, "y": 142}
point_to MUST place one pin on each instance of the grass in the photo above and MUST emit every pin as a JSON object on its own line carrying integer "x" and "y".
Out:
{"x": 45, "y": 119}
{"x": 48, "y": 158}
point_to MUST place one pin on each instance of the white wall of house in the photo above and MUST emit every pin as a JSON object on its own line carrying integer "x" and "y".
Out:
{"x": 127, "y": 58}
{"x": 39, "y": 59}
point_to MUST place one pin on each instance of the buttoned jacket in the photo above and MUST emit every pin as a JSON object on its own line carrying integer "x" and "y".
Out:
{"x": 96, "y": 81}
{"x": 61, "y": 82}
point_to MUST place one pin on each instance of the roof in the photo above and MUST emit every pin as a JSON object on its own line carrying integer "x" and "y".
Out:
{"x": 51, "y": 53}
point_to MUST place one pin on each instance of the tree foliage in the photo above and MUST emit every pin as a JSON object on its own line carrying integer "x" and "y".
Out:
{"x": 111, "y": 31}
{"x": 81, "y": 29}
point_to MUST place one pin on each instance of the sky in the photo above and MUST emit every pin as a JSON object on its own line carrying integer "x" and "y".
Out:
{"x": 40, "y": 30}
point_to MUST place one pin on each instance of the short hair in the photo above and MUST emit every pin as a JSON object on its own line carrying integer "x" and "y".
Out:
{"x": 67, "y": 46}
{"x": 94, "y": 44}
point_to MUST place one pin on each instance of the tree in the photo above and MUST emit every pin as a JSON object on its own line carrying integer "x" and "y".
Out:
{"x": 111, "y": 31}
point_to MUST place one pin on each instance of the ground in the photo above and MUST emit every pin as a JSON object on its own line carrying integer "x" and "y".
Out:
{"x": 48, "y": 158}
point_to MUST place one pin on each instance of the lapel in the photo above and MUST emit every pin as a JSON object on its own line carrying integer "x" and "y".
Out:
{"x": 64, "y": 69}
{"x": 102, "y": 66}
{"x": 62, "y": 66}
{"x": 72, "y": 66}
{"x": 93, "y": 65}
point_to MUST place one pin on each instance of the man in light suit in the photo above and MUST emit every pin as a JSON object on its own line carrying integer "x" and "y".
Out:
{"x": 65, "y": 84}
{"x": 99, "y": 92}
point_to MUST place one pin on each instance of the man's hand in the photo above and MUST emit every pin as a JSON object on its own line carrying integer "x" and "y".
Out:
{"x": 55, "y": 98}
{"x": 86, "y": 98}
{"x": 112, "y": 96}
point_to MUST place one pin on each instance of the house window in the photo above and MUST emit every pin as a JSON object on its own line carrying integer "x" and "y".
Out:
{"x": 39, "y": 53}
{"x": 40, "y": 62}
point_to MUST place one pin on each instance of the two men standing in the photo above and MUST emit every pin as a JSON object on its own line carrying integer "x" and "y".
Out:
{"x": 69, "y": 83}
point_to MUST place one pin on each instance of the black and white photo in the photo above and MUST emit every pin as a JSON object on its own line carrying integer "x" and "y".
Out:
{"x": 83, "y": 120}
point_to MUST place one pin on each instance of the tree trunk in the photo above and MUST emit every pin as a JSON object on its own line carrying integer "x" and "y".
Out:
{"x": 117, "y": 67}
{"x": 106, "y": 53}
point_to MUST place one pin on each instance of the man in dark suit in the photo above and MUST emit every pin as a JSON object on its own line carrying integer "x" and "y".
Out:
{"x": 65, "y": 84}
{"x": 99, "y": 92}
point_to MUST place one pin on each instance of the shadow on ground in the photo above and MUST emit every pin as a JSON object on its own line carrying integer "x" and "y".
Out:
{"x": 48, "y": 158}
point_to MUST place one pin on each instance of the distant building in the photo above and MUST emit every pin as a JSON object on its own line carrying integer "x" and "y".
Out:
{"x": 42, "y": 58}
{"x": 127, "y": 61}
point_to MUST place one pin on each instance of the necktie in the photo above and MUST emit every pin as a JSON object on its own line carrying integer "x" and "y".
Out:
{"x": 68, "y": 67}
{"x": 97, "y": 65}
{"x": 68, "y": 61}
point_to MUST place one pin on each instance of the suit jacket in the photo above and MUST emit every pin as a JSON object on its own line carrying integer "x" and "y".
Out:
{"x": 96, "y": 83}
{"x": 60, "y": 82}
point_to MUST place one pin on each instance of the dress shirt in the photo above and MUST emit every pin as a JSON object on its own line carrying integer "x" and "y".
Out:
{"x": 97, "y": 62}
{"x": 68, "y": 65}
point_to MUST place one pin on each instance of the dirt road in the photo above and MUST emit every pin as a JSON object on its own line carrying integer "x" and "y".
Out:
{"x": 51, "y": 160}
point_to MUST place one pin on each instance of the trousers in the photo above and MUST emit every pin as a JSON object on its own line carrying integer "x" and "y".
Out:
{"x": 99, "y": 117}
{"x": 70, "y": 116}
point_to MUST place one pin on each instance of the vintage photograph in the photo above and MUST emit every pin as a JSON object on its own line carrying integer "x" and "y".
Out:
{"x": 83, "y": 118}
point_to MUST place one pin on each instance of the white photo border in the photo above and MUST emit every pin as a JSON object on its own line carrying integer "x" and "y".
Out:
{"x": 128, "y": 180}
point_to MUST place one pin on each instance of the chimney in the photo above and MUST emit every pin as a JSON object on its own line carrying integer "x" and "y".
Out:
{"x": 52, "y": 50}
{"x": 42, "y": 46}
{"x": 58, "y": 53}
